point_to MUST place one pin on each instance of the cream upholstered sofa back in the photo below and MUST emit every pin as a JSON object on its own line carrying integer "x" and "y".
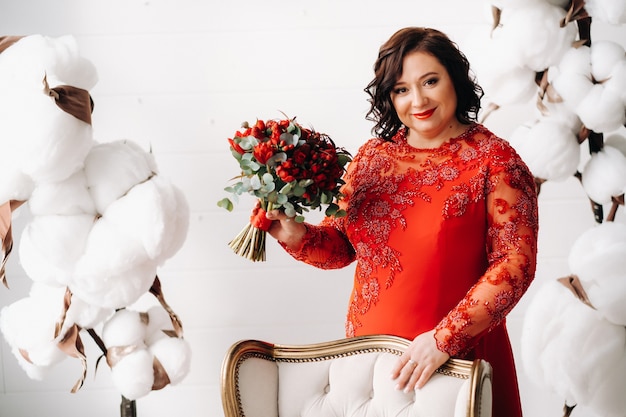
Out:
{"x": 345, "y": 378}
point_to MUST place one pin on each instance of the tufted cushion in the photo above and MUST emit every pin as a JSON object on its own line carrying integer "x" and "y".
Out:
{"x": 346, "y": 378}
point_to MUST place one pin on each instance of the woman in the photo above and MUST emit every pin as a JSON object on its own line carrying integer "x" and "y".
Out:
{"x": 442, "y": 219}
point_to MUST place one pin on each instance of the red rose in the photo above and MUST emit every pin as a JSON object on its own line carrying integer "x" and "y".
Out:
{"x": 263, "y": 152}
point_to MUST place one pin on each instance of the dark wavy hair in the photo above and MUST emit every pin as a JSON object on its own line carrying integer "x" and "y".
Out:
{"x": 388, "y": 69}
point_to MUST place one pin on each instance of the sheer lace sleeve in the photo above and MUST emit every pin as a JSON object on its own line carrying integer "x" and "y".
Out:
{"x": 325, "y": 247}
{"x": 512, "y": 248}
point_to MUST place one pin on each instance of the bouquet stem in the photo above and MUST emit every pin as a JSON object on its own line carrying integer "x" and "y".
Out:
{"x": 250, "y": 242}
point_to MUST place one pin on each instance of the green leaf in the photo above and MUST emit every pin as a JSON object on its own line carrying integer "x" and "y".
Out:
{"x": 225, "y": 203}
{"x": 343, "y": 159}
{"x": 281, "y": 198}
{"x": 299, "y": 219}
{"x": 286, "y": 189}
{"x": 341, "y": 213}
{"x": 298, "y": 191}
{"x": 332, "y": 209}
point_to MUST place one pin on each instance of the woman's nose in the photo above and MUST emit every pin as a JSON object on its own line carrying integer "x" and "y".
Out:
{"x": 418, "y": 99}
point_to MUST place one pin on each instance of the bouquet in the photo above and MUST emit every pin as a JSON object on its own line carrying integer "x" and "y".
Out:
{"x": 287, "y": 167}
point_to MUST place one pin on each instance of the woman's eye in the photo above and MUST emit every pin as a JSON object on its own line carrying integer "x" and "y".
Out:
{"x": 400, "y": 90}
{"x": 431, "y": 81}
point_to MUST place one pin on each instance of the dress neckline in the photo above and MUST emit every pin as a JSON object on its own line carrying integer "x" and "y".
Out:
{"x": 401, "y": 139}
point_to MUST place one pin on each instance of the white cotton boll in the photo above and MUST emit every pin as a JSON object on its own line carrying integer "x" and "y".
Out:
{"x": 69, "y": 66}
{"x": 67, "y": 197}
{"x": 518, "y": 138}
{"x": 51, "y": 245}
{"x": 616, "y": 82}
{"x": 125, "y": 328}
{"x": 503, "y": 80}
{"x": 601, "y": 110}
{"x": 576, "y": 61}
{"x": 589, "y": 363}
{"x": 609, "y": 11}
{"x": 572, "y": 88}
{"x": 605, "y": 55}
{"x": 550, "y": 150}
{"x": 85, "y": 315}
{"x": 50, "y": 149}
{"x": 536, "y": 35}
{"x": 114, "y": 270}
{"x": 114, "y": 290}
{"x": 616, "y": 141}
{"x": 599, "y": 251}
{"x": 133, "y": 376}
{"x": 609, "y": 399}
{"x": 109, "y": 248}
{"x": 604, "y": 175}
{"x": 28, "y": 327}
{"x": 175, "y": 356}
{"x": 114, "y": 168}
{"x": 561, "y": 114}
{"x": 15, "y": 185}
{"x": 154, "y": 213}
{"x": 27, "y": 60}
{"x": 516, "y": 85}
{"x": 543, "y": 322}
{"x": 598, "y": 258}
{"x": 608, "y": 295}
{"x": 159, "y": 321}
{"x": 33, "y": 56}
{"x": 563, "y": 357}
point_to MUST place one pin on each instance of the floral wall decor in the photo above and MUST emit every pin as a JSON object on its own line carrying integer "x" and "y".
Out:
{"x": 103, "y": 220}
{"x": 574, "y": 332}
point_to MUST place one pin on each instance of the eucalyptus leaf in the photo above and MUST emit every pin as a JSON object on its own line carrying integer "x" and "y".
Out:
{"x": 286, "y": 189}
{"x": 225, "y": 203}
{"x": 281, "y": 198}
{"x": 298, "y": 191}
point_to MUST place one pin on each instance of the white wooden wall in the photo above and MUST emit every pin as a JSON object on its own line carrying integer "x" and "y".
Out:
{"x": 179, "y": 76}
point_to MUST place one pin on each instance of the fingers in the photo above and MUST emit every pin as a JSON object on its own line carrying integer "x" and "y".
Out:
{"x": 277, "y": 215}
{"x": 412, "y": 375}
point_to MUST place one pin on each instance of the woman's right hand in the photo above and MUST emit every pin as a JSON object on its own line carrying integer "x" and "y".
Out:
{"x": 285, "y": 229}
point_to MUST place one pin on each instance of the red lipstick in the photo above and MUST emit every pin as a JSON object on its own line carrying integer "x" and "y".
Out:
{"x": 424, "y": 115}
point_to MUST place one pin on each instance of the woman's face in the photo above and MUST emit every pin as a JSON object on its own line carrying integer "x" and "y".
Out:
{"x": 425, "y": 100}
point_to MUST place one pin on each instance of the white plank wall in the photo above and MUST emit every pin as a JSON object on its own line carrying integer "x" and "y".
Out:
{"x": 179, "y": 76}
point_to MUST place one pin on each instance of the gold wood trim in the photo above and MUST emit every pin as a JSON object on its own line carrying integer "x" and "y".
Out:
{"x": 244, "y": 349}
{"x": 481, "y": 371}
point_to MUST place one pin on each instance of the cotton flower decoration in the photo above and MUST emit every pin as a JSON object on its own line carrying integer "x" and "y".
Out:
{"x": 609, "y": 11}
{"x": 601, "y": 110}
{"x": 28, "y": 327}
{"x": 560, "y": 351}
{"x": 503, "y": 81}
{"x": 534, "y": 35}
{"x": 138, "y": 351}
{"x": 103, "y": 221}
{"x": 598, "y": 258}
{"x": 572, "y": 76}
{"x": 616, "y": 141}
{"x": 590, "y": 81}
{"x": 549, "y": 148}
{"x": 604, "y": 175}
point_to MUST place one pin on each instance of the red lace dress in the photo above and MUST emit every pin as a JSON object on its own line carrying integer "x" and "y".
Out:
{"x": 443, "y": 238}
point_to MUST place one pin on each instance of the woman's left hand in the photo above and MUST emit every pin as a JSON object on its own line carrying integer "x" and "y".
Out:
{"x": 420, "y": 361}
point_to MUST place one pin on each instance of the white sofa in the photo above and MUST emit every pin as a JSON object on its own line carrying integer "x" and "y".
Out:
{"x": 345, "y": 378}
